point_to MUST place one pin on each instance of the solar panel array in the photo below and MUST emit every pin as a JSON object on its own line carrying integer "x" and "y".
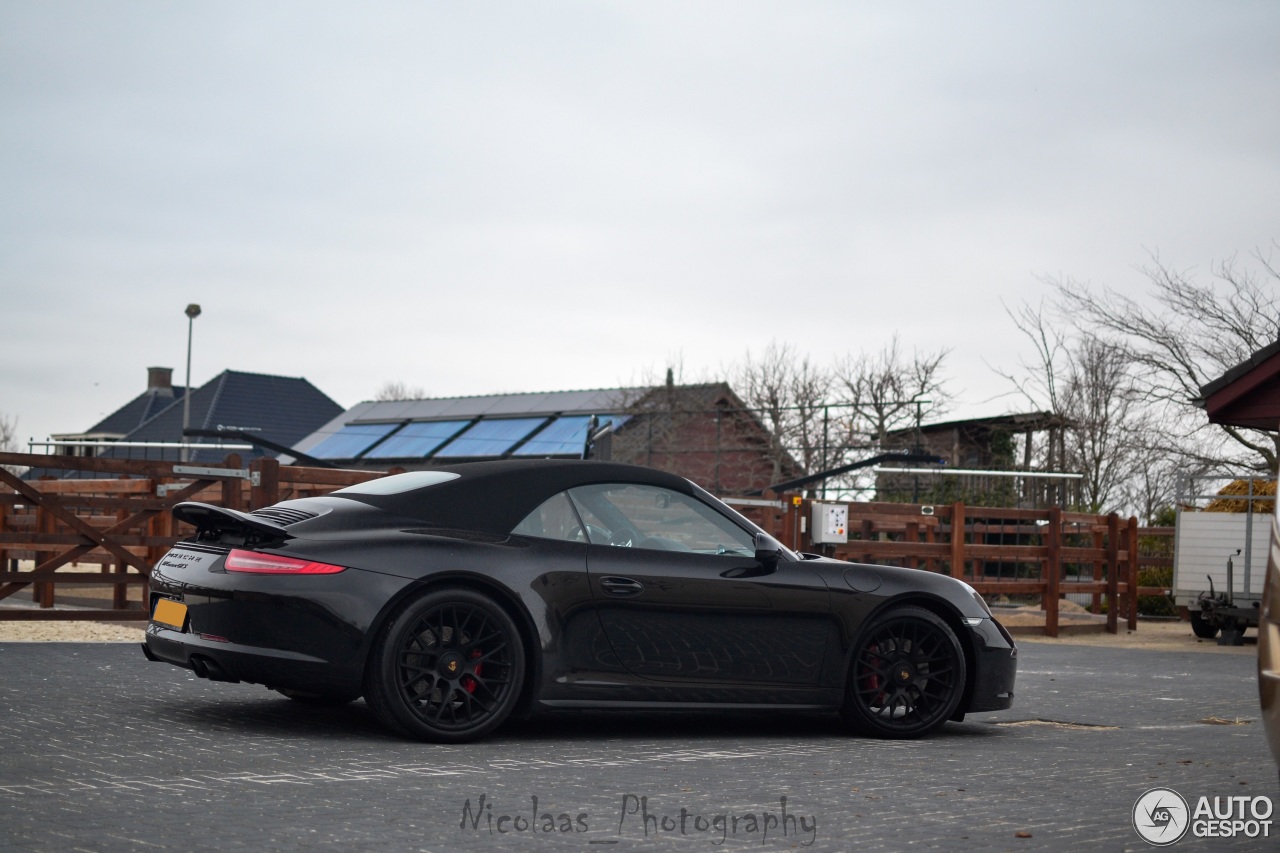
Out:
{"x": 474, "y": 438}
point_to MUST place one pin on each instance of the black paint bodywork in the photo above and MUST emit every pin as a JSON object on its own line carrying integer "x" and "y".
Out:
{"x": 706, "y": 630}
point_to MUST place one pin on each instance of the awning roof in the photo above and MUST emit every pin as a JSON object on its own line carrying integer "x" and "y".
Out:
{"x": 1247, "y": 395}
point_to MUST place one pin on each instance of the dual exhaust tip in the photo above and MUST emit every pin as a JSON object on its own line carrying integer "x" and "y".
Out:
{"x": 206, "y": 667}
{"x": 202, "y": 665}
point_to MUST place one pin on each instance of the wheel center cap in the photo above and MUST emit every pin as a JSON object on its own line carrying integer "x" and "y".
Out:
{"x": 450, "y": 665}
{"x": 903, "y": 672}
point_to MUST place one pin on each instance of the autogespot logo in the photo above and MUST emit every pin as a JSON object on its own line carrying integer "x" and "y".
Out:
{"x": 1161, "y": 816}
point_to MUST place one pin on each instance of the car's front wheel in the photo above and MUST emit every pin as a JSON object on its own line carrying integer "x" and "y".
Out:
{"x": 907, "y": 675}
{"x": 448, "y": 667}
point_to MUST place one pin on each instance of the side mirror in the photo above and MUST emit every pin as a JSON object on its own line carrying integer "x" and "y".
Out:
{"x": 768, "y": 551}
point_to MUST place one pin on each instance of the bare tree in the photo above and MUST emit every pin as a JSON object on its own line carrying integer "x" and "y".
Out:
{"x": 1086, "y": 381}
{"x": 392, "y": 391}
{"x": 1190, "y": 333}
{"x": 1037, "y": 380}
{"x": 1150, "y": 490}
{"x": 788, "y": 392}
{"x": 886, "y": 391}
{"x": 9, "y": 439}
{"x": 9, "y": 433}
{"x": 1098, "y": 403}
{"x": 810, "y": 386}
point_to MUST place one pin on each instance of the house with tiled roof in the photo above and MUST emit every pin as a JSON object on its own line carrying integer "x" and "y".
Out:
{"x": 160, "y": 394}
{"x": 703, "y": 432}
{"x": 256, "y": 407}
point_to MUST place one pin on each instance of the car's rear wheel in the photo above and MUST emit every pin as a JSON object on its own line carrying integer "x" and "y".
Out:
{"x": 907, "y": 675}
{"x": 448, "y": 667}
{"x": 1202, "y": 627}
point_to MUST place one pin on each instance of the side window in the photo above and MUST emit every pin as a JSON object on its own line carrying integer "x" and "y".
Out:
{"x": 555, "y": 519}
{"x": 634, "y": 516}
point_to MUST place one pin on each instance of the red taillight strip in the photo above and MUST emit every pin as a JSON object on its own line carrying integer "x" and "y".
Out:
{"x": 270, "y": 564}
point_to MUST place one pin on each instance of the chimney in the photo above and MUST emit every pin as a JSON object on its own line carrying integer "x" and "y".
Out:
{"x": 160, "y": 380}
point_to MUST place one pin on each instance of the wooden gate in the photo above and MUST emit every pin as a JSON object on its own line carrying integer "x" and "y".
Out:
{"x": 118, "y": 520}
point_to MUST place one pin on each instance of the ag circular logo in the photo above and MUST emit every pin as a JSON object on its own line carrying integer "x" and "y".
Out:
{"x": 1161, "y": 816}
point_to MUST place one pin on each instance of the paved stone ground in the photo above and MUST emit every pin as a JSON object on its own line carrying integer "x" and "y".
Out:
{"x": 101, "y": 750}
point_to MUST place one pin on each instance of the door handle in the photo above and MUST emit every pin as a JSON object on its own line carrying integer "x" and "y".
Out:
{"x": 621, "y": 586}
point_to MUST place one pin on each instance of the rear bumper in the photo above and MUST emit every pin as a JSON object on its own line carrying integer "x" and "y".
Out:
{"x": 222, "y": 661}
{"x": 307, "y": 633}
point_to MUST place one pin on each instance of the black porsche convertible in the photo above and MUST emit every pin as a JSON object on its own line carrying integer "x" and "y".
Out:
{"x": 453, "y": 598}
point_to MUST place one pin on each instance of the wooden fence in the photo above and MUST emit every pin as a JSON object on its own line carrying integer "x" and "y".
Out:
{"x": 121, "y": 524}
{"x": 119, "y": 521}
{"x": 1031, "y": 555}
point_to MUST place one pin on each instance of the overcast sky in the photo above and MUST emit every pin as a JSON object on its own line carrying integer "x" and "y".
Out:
{"x": 481, "y": 197}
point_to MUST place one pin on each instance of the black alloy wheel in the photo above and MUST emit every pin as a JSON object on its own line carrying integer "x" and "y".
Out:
{"x": 447, "y": 668}
{"x": 907, "y": 676}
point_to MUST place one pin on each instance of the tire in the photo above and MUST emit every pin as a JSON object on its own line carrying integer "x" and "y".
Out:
{"x": 317, "y": 699}
{"x": 1201, "y": 627}
{"x": 448, "y": 667}
{"x": 907, "y": 676}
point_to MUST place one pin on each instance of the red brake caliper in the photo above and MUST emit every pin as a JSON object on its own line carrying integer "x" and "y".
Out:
{"x": 469, "y": 683}
{"x": 871, "y": 678}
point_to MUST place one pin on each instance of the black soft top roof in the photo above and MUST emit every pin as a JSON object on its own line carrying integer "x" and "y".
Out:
{"x": 495, "y": 496}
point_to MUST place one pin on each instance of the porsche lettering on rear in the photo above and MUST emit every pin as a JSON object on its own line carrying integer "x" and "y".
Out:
{"x": 178, "y": 560}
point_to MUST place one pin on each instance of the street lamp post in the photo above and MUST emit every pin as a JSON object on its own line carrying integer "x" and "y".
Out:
{"x": 193, "y": 311}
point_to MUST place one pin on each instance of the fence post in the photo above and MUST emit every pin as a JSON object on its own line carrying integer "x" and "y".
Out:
{"x": 912, "y": 535}
{"x": 775, "y": 520}
{"x": 1053, "y": 572}
{"x": 119, "y": 592}
{"x": 930, "y": 563}
{"x": 1113, "y": 572}
{"x": 1095, "y": 603}
{"x": 157, "y": 525}
{"x": 957, "y": 539}
{"x": 1133, "y": 573}
{"x": 4, "y": 552}
{"x": 784, "y": 531}
{"x": 232, "y": 494}
{"x": 267, "y": 492}
{"x": 42, "y": 593}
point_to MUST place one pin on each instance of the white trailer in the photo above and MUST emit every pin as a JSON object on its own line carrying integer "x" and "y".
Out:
{"x": 1220, "y": 557}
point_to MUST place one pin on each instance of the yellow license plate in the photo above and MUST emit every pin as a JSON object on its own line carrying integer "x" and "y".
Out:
{"x": 170, "y": 612}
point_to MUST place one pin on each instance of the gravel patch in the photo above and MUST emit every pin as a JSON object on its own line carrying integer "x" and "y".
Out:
{"x": 69, "y": 632}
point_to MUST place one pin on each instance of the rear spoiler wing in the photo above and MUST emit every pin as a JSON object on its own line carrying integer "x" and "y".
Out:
{"x": 208, "y": 518}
